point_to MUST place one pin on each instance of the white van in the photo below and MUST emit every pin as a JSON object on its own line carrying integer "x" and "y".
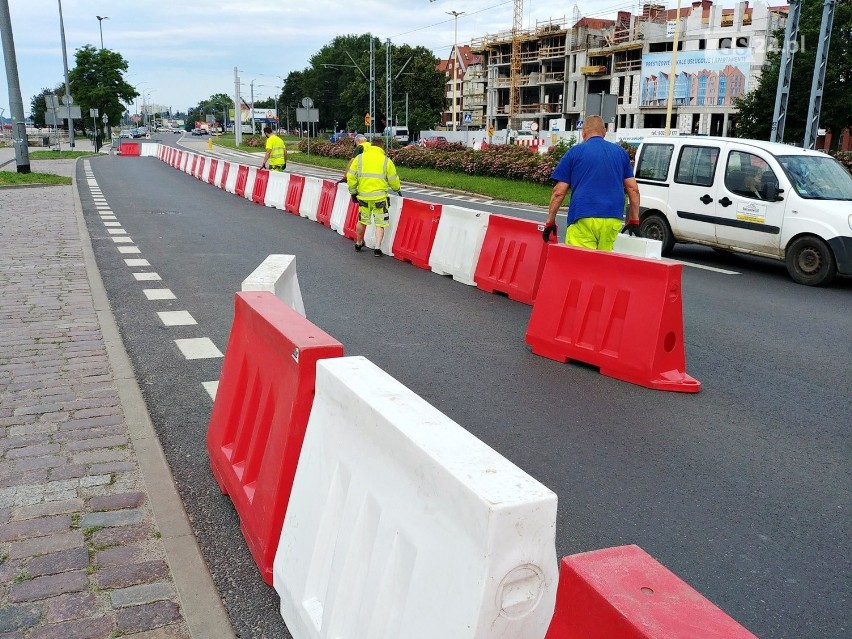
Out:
{"x": 399, "y": 133}
{"x": 749, "y": 196}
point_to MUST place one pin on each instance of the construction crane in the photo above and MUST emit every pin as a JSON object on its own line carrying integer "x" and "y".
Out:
{"x": 515, "y": 65}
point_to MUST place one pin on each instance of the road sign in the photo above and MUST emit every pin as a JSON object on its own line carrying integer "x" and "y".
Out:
{"x": 307, "y": 103}
{"x": 468, "y": 118}
{"x": 490, "y": 130}
{"x": 367, "y": 119}
{"x": 307, "y": 115}
{"x": 105, "y": 118}
{"x": 93, "y": 113}
{"x": 534, "y": 126}
{"x": 135, "y": 118}
{"x": 579, "y": 125}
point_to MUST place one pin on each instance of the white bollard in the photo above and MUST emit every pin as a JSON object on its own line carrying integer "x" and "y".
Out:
{"x": 458, "y": 243}
{"x": 403, "y": 524}
{"x": 277, "y": 274}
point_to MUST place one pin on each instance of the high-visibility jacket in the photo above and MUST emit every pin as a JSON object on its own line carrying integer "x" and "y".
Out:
{"x": 278, "y": 157}
{"x": 371, "y": 174}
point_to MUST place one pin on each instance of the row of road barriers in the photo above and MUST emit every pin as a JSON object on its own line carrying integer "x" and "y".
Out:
{"x": 375, "y": 515}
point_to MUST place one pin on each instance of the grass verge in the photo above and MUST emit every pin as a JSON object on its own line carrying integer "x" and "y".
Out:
{"x": 9, "y": 178}
{"x": 60, "y": 155}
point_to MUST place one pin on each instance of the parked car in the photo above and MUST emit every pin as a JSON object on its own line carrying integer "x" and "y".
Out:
{"x": 126, "y": 133}
{"x": 199, "y": 131}
{"x": 749, "y": 196}
{"x": 432, "y": 141}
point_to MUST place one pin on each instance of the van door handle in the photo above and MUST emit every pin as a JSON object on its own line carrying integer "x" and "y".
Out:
{"x": 706, "y": 199}
{"x": 725, "y": 201}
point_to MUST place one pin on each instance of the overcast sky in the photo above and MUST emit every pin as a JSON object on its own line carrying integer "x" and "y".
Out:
{"x": 184, "y": 52}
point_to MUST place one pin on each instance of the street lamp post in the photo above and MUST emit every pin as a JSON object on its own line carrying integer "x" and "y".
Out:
{"x": 455, "y": 15}
{"x": 101, "y": 27}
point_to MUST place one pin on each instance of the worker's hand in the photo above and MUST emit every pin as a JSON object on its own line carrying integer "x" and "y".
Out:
{"x": 355, "y": 199}
{"x": 549, "y": 229}
{"x": 341, "y": 180}
{"x": 399, "y": 192}
{"x": 263, "y": 166}
{"x": 631, "y": 228}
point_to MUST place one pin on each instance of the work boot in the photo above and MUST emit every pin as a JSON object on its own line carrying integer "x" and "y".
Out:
{"x": 377, "y": 252}
{"x": 358, "y": 246}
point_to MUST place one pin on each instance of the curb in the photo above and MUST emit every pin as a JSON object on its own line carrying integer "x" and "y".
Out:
{"x": 201, "y": 603}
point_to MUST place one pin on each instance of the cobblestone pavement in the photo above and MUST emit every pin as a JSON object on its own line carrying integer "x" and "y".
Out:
{"x": 81, "y": 556}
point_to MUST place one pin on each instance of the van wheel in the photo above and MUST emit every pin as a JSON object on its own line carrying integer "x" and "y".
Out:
{"x": 811, "y": 262}
{"x": 655, "y": 227}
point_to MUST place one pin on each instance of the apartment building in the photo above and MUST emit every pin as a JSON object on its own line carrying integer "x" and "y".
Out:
{"x": 721, "y": 52}
{"x": 465, "y": 84}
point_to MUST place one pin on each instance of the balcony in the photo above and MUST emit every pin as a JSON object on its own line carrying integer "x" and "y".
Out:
{"x": 594, "y": 69}
{"x": 623, "y": 66}
{"x": 551, "y": 77}
{"x": 552, "y": 52}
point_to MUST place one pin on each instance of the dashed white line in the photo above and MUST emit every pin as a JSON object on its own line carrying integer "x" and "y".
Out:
{"x": 176, "y": 318}
{"x": 116, "y": 231}
{"x": 130, "y": 249}
{"x": 122, "y": 240}
{"x": 709, "y": 268}
{"x": 136, "y": 261}
{"x": 112, "y": 223}
{"x": 147, "y": 277}
{"x": 211, "y": 388}
{"x": 157, "y": 293}
{"x": 198, "y": 348}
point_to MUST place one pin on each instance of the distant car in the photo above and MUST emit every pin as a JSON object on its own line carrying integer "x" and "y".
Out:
{"x": 199, "y": 132}
{"x": 126, "y": 133}
{"x": 433, "y": 141}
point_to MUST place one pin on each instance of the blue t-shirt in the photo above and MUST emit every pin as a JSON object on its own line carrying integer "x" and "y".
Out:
{"x": 595, "y": 171}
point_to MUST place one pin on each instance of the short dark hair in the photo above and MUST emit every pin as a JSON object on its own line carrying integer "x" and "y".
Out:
{"x": 267, "y": 129}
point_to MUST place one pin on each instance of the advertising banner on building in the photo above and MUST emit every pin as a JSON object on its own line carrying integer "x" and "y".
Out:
{"x": 266, "y": 115}
{"x": 702, "y": 78}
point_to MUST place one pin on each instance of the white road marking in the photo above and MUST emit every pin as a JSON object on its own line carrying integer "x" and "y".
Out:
{"x": 211, "y": 388}
{"x": 129, "y": 249}
{"x": 116, "y": 231}
{"x": 108, "y": 217}
{"x": 112, "y": 223}
{"x": 176, "y": 318}
{"x": 147, "y": 277}
{"x": 121, "y": 240}
{"x": 198, "y": 348}
{"x": 157, "y": 293}
{"x": 136, "y": 261}
{"x": 708, "y": 268}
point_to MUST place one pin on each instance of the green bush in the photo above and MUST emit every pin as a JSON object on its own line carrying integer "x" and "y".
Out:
{"x": 845, "y": 158}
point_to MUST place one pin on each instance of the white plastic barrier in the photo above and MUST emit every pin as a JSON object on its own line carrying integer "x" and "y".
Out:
{"x": 250, "y": 178}
{"x": 310, "y": 198}
{"x": 458, "y": 243}
{"x": 277, "y": 274}
{"x": 276, "y": 189}
{"x": 638, "y": 246}
{"x": 402, "y": 524}
{"x": 220, "y": 168}
{"x": 150, "y": 150}
{"x": 186, "y": 160}
{"x": 231, "y": 180}
{"x": 390, "y": 232}
{"x": 341, "y": 205}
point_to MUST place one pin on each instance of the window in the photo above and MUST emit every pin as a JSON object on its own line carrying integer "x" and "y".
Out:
{"x": 654, "y": 161}
{"x": 696, "y": 165}
{"x": 702, "y": 44}
{"x": 748, "y": 175}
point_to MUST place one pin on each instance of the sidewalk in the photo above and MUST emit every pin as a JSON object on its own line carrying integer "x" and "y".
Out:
{"x": 94, "y": 542}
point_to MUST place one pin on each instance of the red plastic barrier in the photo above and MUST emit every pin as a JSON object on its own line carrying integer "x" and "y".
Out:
{"x": 352, "y": 215}
{"x": 224, "y": 178}
{"x": 198, "y": 172}
{"x": 262, "y": 405}
{"x": 130, "y": 149}
{"x": 326, "y": 202}
{"x": 179, "y": 160}
{"x": 261, "y": 179}
{"x": 242, "y": 178}
{"x": 294, "y": 193}
{"x": 622, "y": 314}
{"x": 418, "y": 223}
{"x": 211, "y": 174}
{"x": 170, "y": 158}
{"x": 512, "y": 258}
{"x": 623, "y": 592}
{"x": 194, "y": 164}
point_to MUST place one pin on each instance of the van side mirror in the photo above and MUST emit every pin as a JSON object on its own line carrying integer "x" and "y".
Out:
{"x": 771, "y": 191}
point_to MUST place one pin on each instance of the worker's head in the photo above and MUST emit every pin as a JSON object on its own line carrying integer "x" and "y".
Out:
{"x": 267, "y": 130}
{"x": 360, "y": 138}
{"x": 592, "y": 126}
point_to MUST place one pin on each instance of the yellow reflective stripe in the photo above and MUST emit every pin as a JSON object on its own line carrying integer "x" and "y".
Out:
{"x": 379, "y": 194}
{"x": 379, "y": 176}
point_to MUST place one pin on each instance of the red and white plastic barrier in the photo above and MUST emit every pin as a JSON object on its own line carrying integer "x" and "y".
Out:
{"x": 418, "y": 224}
{"x": 277, "y": 274}
{"x": 310, "y": 198}
{"x": 276, "y": 189}
{"x": 458, "y": 243}
{"x": 403, "y": 524}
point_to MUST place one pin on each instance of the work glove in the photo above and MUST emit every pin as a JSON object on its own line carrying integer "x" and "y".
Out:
{"x": 262, "y": 166}
{"x": 355, "y": 199}
{"x": 549, "y": 229}
{"x": 399, "y": 192}
{"x": 631, "y": 228}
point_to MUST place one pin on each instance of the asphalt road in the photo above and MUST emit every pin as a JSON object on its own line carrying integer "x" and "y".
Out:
{"x": 742, "y": 490}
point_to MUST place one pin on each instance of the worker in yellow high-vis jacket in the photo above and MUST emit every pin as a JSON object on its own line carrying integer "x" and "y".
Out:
{"x": 370, "y": 175}
{"x": 276, "y": 151}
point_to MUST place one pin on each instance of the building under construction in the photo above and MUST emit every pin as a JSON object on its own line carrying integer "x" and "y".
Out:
{"x": 721, "y": 52}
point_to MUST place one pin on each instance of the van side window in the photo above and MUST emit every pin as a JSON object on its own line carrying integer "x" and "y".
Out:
{"x": 697, "y": 165}
{"x": 654, "y": 161}
{"x": 748, "y": 175}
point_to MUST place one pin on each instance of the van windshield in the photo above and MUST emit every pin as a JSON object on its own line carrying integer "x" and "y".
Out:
{"x": 817, "y": 178}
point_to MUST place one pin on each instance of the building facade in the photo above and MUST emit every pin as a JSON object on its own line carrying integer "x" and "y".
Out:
{"x": 465, "y": 85}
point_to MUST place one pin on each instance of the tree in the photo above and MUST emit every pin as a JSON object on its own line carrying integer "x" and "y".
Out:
{"x": 757, "y": 106}
{"x": 38, "y": 107}
{"x": 97, "y": 82}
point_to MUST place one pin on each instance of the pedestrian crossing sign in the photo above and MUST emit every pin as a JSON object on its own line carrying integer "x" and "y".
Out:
{"x": 468, "y": 118}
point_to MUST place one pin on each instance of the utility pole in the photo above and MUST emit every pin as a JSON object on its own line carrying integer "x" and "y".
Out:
{"x": 455, "y": 15}
{"x": 372, "y": 86}
{"x": 672, "y": 72}
{"x": 238, "y": 121}
{"x": 785, "y": 73}
{"x": 812, "y": 125}
{"x": 253, "y": 127}
{"x": 68, "y": 100}
{"x": 16, "y": 103}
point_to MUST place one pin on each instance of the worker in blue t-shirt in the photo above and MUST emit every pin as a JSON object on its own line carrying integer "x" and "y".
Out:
{"x": 598, "y": 173}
